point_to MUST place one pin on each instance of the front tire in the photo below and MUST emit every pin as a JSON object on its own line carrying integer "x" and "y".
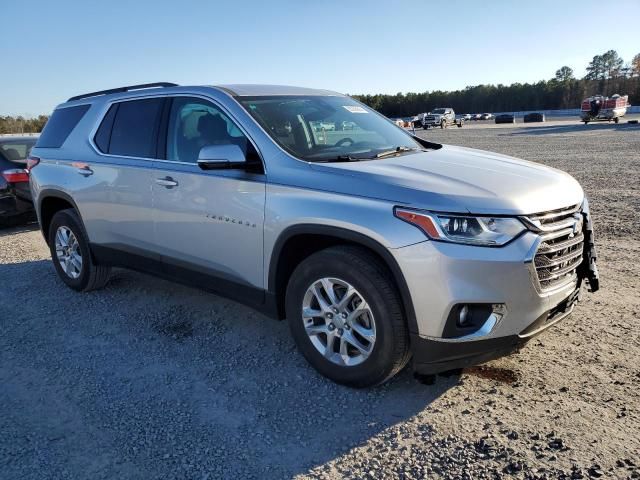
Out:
{"x": 346, "y": 317}
{"x": 71, "y": 256}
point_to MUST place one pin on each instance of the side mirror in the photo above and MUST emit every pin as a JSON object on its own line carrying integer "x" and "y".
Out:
{"x": 220, "y": 157}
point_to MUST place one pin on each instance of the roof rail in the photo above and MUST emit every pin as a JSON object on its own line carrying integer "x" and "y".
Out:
{"x": 123, "y": 89}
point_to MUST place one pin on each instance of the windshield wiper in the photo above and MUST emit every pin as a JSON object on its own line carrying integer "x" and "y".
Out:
{"x": 396, "y": 151}
{"x": 340, "y": 158}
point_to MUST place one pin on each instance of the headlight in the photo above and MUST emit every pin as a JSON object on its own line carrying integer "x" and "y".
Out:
{"x": 467, "y": 229}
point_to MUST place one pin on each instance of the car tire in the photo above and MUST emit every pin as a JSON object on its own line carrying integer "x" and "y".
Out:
{"x": 71, "y": 255}
{"x": 344, "y": 267}
{"x": 443, "y": 124}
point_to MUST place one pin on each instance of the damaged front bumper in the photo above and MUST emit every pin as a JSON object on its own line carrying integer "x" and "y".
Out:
{"x": 504, "y": 285}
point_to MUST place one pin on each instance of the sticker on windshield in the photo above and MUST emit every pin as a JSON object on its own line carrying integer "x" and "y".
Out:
{"x": 355, "y": 109}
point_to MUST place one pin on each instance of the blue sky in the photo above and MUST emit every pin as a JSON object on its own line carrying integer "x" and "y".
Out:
{"x": 52, "y": 50}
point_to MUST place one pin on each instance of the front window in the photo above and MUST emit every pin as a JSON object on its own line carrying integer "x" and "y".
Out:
{"x": 195, "y": 123}
{"x": 439, "y": 111}
{"x": 328, "y": 128}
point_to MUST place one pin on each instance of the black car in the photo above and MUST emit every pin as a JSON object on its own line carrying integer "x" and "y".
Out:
{"x": 505, "y": 118}
{"x": 534, "y": 117}
{"x": 15, "y": 195}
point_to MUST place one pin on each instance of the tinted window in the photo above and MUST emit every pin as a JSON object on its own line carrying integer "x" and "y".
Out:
{"x": 103, "y": 135}
{"x": 60, "y": 125}
{"x": 134, "y": 128}
{"x": 195, "y": 123}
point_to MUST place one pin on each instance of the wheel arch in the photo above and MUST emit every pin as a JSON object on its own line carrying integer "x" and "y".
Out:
{"x": 299, "y": 241}
{"x": 49, "y": 203}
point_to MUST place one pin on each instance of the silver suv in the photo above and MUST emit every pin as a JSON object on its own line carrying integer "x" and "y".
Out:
{"x": 377, "y": 246}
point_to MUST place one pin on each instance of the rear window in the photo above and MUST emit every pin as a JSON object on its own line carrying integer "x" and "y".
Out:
{"x": 60, "y": 125}
{"x": 103, "y": 135}
{"x": 133, "y": 130}
{"x": 16, "y": 151}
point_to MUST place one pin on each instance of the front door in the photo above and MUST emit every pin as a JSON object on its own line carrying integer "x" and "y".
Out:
{"x": 207, "y": 223}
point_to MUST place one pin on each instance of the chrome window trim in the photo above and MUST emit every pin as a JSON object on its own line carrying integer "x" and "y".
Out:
{"x": 107, "y": 105}
{"x": 100, "y": 118}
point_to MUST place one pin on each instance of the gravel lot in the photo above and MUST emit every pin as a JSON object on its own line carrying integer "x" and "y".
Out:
{"x": 148, "y": 379}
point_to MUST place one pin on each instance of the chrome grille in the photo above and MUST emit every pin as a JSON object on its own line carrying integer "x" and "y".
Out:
{"x": 560, "y": 250}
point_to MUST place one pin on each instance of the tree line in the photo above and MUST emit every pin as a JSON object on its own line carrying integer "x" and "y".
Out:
{"x": 607, "y": 74}
{"x": 19, "y": 124}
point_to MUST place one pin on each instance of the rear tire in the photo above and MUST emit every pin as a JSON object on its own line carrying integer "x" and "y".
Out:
{"x": 71, "y": 256}
{"x": 348, "y": 269}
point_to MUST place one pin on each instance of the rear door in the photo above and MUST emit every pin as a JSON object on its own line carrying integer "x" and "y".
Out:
{"x": 207, "y": 221}
{"x": 113, "y": 190}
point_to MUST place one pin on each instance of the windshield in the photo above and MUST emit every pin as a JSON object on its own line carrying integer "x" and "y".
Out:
{"x": 326, "y": 128}
{"x": 438, "y": 110}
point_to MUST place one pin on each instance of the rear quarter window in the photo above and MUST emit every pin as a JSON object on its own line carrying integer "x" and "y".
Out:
{"x": 60, "y": 125}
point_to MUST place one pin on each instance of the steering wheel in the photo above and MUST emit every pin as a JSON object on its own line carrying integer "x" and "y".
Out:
{"x": 344, "y": 141}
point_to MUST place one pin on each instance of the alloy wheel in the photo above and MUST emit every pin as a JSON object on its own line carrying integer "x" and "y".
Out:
{"x": 338, "y": 321}
{"x": 68, "y": 252}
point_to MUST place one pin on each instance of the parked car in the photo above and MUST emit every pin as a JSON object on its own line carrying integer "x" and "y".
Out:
{"x": 505, "y": 118}
{"x": 442, "y": 117}
{"x": 533, "y": 117}
{"x": 467, "y": 116}
{"x": 477, "y": 116}
{"x": 486, "y": 116}
{"x": 365, "y": 243}
{"x": 15, "y": 195}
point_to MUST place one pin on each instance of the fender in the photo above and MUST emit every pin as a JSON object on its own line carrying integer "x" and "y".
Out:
{"x": 353, "y": 237}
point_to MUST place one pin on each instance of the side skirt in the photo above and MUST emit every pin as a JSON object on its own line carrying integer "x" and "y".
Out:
{"x": 186, "y": 274}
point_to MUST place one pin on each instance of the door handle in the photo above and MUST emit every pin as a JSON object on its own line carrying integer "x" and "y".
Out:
{"x": 167, "y": 182}
{"x": 82, "y": 168}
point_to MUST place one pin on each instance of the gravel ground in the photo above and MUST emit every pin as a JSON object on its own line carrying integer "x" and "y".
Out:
{"x": 148, "y": 379}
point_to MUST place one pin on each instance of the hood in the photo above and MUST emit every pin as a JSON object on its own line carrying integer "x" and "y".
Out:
{"x": 457, "y": 179}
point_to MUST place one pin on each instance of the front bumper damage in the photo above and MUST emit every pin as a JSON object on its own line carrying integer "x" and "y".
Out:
{"x": 495, "y": 278}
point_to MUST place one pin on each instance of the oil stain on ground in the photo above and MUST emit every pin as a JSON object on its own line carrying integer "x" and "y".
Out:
{"x": 503, "y": 375}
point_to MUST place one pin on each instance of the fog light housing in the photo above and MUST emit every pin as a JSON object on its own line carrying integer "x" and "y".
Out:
{"x": 468, "y": 318}
{"x": 464, "y": 319}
